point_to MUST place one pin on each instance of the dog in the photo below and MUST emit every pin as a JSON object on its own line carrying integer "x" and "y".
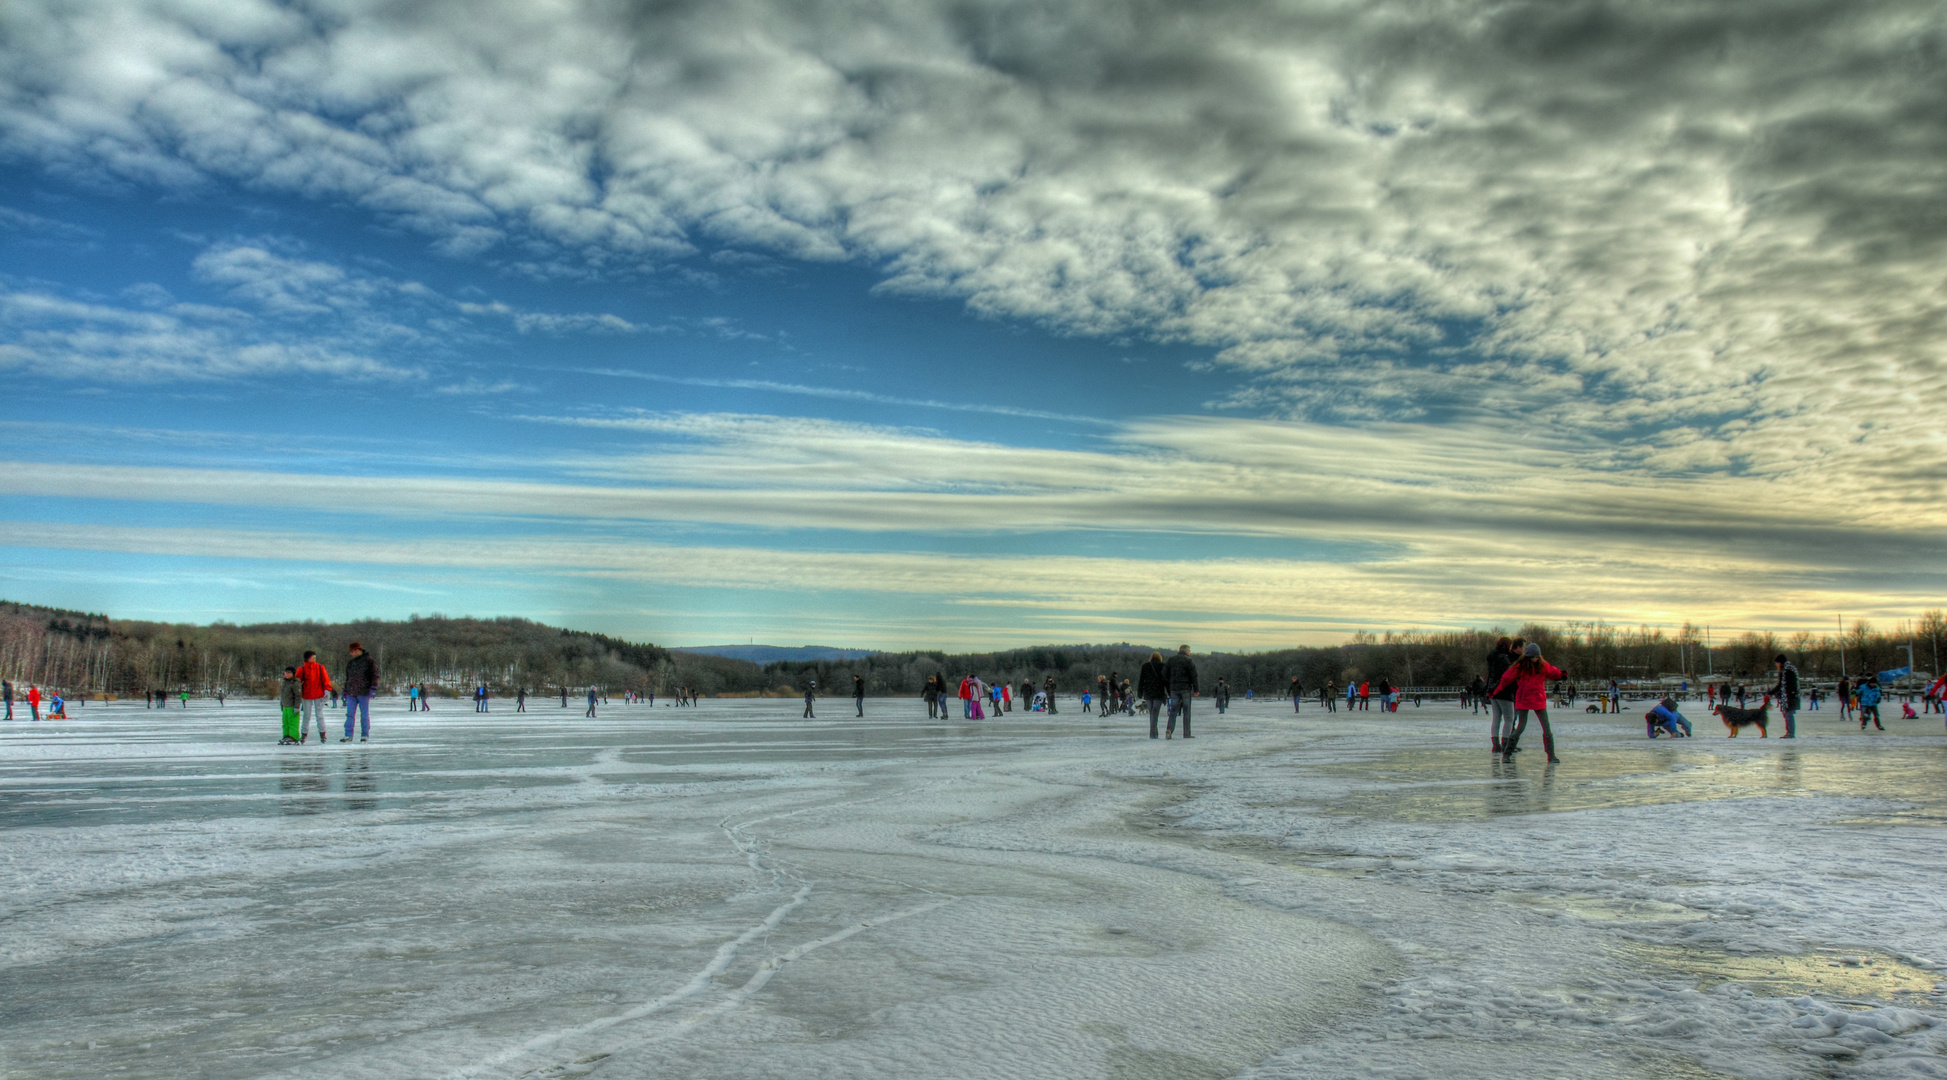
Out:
{"x": 1735, "y": 718}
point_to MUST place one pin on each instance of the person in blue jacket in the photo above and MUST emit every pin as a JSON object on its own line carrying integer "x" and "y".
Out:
{"x": 1665, "y": 720}
{"x": 1869, "y": 697}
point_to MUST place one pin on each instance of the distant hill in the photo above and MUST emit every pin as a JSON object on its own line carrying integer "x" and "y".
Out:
{"x": 770, "y": 654}
{"x": 82, "y": 651}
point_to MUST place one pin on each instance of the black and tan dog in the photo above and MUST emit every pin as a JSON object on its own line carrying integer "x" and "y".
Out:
{"x": 1735, "y": 718}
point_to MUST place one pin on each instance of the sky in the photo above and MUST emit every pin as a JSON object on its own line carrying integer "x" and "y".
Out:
{"x": 972, "y": 324}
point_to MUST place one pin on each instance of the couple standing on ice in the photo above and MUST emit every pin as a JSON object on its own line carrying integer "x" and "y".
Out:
{"x": 302, "y": 696}
{"x": 1173, "y": 681}
{"x": 1520, "y": 687}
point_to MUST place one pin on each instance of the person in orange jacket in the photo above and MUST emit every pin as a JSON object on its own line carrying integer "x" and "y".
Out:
{"x": 1529, "y": 676}
{"x": 313, "y": 683}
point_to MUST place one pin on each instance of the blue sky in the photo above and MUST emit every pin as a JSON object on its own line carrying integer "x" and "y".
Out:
{"x": 895, "y": 328}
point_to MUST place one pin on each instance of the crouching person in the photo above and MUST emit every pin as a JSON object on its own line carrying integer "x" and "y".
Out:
{"x": 1665, "y": 720}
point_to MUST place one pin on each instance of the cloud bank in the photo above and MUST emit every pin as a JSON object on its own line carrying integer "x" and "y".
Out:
{"x": 1604, "y": 216}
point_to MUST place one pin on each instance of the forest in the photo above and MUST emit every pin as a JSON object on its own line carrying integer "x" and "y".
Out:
{"x": 1588, "y": 651}
{"x": 89, "y": 653}
{"x": 93, "y": 654}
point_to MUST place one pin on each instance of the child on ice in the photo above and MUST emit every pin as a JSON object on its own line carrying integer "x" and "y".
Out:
{"x": 287, "y": 700}
{"x": 1665, "y": 719}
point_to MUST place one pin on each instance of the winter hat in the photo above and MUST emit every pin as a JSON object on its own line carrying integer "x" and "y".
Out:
{"x": 1532, "y": 649}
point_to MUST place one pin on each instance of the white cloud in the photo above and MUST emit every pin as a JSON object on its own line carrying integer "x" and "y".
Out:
{"x": 289, "y": 313}
{"x": 50, "y": 336}
{"x": 1697, "y": 236}
{"x": 1262, "y": 602}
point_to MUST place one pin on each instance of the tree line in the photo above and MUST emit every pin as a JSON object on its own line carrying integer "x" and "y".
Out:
{"x": 92, "y": 653}
{"x": 1590, "y": 651}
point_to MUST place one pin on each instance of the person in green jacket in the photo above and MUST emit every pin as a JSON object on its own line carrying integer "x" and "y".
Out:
{"x": 287, "y": 699}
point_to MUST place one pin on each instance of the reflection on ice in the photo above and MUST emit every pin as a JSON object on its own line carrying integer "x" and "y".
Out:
{"x": 730, "y": 892}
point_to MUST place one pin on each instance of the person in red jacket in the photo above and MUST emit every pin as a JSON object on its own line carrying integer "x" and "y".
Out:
{"x": 1529, "y": 676}
{"x": 34, "y": 702}
{"x": 313, "y": 683}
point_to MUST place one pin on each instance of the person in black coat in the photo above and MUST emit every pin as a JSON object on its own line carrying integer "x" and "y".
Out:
{"x": 1500, "y": 716}
{"x": 1785, "y": 694}
{"x": 858, "y": 693}
{"x": 1153, "y": 687}
{"x": 1183, "y": 686}
{"x": 361, "y": 679}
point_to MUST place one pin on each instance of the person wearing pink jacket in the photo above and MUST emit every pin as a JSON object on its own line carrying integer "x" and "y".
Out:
{"x": 1529, "y": 676}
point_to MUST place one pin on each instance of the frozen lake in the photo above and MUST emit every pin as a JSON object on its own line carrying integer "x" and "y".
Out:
{"x": 729, "y": 891}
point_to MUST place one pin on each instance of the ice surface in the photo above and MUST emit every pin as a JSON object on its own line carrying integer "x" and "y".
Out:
{"x": 728, "y": 891}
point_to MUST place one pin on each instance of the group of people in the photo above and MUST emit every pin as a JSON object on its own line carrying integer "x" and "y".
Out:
{"x": 32, "y": 696}
{"x": 301, "y": 696}
{"x": 978, "y": 698}
{"x": 1165, "y": 687}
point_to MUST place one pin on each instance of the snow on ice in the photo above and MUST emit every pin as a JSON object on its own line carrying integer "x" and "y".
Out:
{"x": 728, "y": 891}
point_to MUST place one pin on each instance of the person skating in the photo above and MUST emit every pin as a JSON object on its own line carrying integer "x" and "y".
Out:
{"x": 313, "y": 682}
{"x": 1845, "y": 698}
{"x": 361, "y": 679}
{"x": 1153, "y": 687}
{"x": 1529, "y": 677}
{"x": 1869, "y": 699}
{"x": 9, "y": 691}
{"x": 593, "y": 697}
{"x": 858, "y": 693}
{"x": 1182, "y": 674}
{"x": 1048, "y": 688}
{"x": 811, "y": 691}
{"x": 520, "y": 699}
{"x": 288, "y": 697}
{"x": 930, "y": 693}
{"x": 1220, "y": 696}
{"x": 1500, "y": 703}
{"x": 1785, "y": 693}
